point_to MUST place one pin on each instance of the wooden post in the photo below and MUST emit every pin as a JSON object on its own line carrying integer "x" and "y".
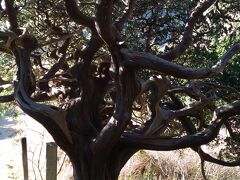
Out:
{"x": 24, "y": 158}
{"x": 51, "y": 160}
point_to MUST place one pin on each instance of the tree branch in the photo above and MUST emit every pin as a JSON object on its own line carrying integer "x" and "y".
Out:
{"x": 55, "y": 68}
{"x": 7, "y": 98}
{"x": 167, "y": 143}
{"x": 158, "y": 86}
{"x": 149, "y": 61}
{"x": 127, "y": 90}
{"x": 51, "y": 117}
{"x": 77, "y": 16}
{"x": 209, "y": 158}
{"x": 104, "y": 24}
{"x": 188, "y": 31}
{"x": 196, "y": 106}
{"x": 126, "y": 14}
{"x": 12, "y": 17}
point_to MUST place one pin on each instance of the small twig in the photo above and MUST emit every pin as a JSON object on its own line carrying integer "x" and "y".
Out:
{"x": 60, "y": 169}
{"x": 33, "y": 164}
{"x": 202, "y": 169}
{"x": 39, "y": 156}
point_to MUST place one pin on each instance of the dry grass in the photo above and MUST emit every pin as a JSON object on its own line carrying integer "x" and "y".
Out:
{"x": 179, "y": 165}
{"x": 144, "y": 165}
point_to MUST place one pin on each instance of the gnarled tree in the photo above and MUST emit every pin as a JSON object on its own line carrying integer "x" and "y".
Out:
{"x": 88, "y": 58}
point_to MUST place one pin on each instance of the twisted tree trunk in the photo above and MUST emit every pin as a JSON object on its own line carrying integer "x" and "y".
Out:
{"x": 95, "y": 125}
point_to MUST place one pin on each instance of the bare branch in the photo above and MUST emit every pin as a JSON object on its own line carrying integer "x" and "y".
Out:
{"x": 61, "y": 62}
{"x": 188, "y": 32}
{"x": 196, "y": 106}
{"x": 149, "y": 61}
{"x": 158, "y": 86}
{"x": 12, "y": 16}
{"x": 127, "y": 13}
{"x": 104, "y": 24}
{"x": 126, "y": 93}
{"x": 52, "y": 118}
{"x": 52, "y": 41}
{"x": 184, "y": 90}
{"x": 77, "y": 16}
{"x": 215, "y": 85}
{"x": 7, "y": 98}
{"x": 168, "y": 143}
{"x": 209, "y": 158}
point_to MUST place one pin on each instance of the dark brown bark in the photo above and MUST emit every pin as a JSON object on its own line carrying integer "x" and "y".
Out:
{"x": 12, "y": 16}
{"x": 95, "y": 125}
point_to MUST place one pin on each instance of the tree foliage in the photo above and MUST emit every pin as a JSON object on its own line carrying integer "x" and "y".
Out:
{"x": 114, "y": 77}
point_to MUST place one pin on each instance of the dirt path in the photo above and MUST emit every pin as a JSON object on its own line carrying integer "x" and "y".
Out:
{"x": 10, "y": 151}
{"x": 11, "y": 132}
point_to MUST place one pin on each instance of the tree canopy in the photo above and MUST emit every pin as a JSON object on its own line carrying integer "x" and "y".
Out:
{"x": 107, "y": 78}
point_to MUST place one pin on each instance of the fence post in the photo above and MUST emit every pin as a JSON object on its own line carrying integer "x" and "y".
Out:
{"x": 24, "y": 157}
{"x": 51, "y": 161}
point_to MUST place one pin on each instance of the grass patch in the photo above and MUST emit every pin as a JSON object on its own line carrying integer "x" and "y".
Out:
{"x": 179, "y": 165}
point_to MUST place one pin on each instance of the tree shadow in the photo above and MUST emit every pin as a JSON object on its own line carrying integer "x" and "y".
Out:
{"x": 6, "y": 128}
